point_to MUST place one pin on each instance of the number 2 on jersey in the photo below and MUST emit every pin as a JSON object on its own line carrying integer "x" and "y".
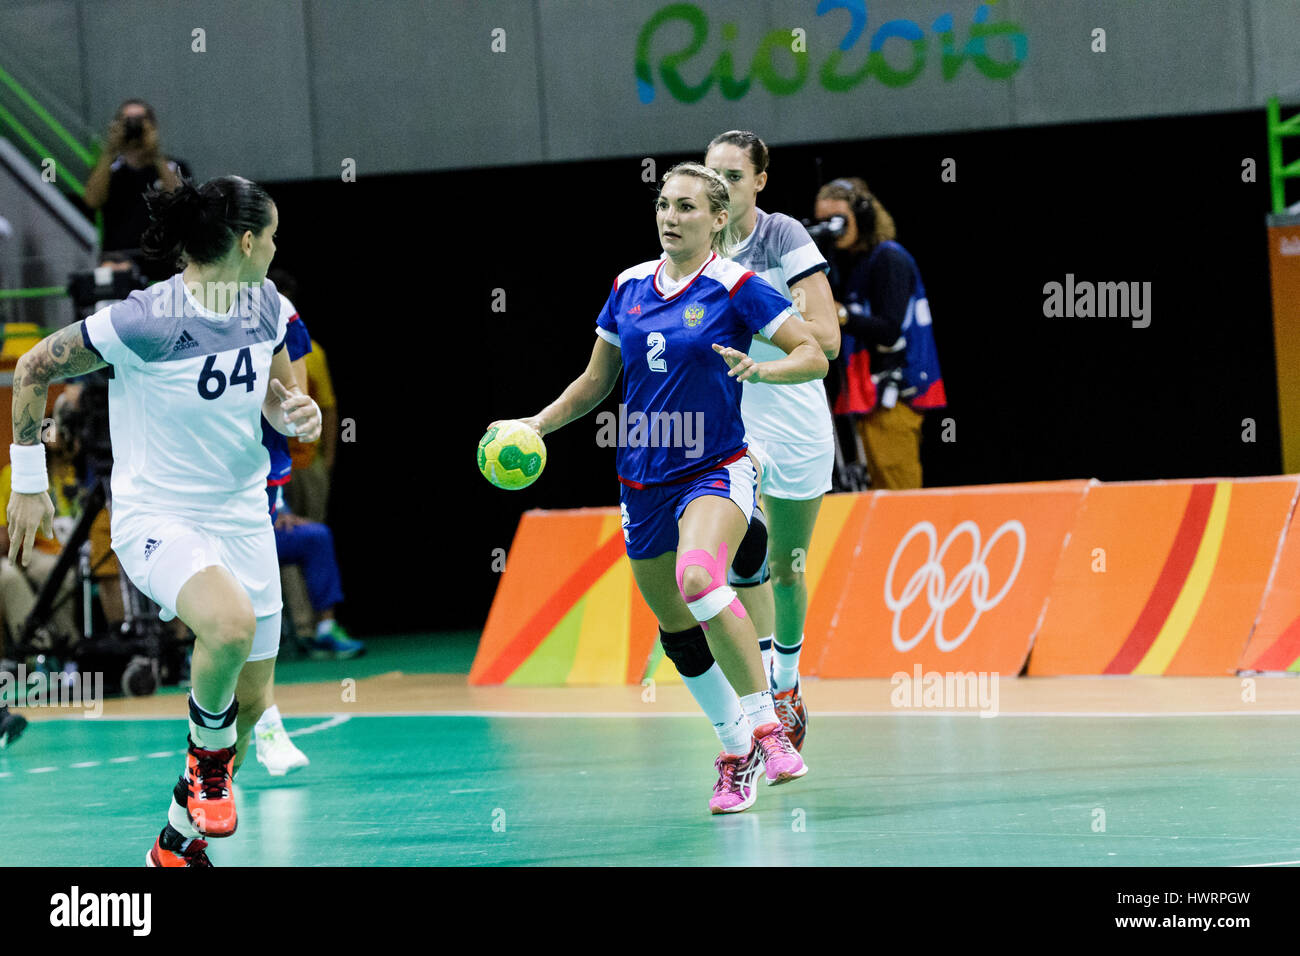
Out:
{"x": 212, "y": 381}
{"x": 654, "y": 356}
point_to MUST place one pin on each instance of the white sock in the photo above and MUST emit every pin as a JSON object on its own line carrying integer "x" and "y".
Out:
{"x": 717, "y": 698}
{"x": 785, "y": 670}
{"x": 270, "y": 718}
{"x": 213, "y": 738}
{"x": 180, "y": 820}
{"x": 325, "y": 626}
{"x": 759, "y": 709}
{"x": 765, "y": 645}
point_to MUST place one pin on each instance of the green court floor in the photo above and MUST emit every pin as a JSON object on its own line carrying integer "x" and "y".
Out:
{"x": 883, "y": 791}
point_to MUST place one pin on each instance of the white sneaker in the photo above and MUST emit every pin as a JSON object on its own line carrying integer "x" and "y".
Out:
{"x": 276, "y": 752}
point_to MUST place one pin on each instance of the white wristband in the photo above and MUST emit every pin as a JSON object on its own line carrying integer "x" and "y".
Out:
{"x": 28, "y": 461}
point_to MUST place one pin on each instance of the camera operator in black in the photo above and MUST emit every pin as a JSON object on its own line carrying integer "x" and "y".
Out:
{"x": 131, "y": 163}
{"x": 887, "y": 376}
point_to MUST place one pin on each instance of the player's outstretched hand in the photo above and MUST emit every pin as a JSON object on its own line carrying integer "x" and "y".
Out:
{"x": 534, "y": 423}
{"x": 27, "y": 513}
{"x": 299, "y": 411}
{"x": 743, "y": 368}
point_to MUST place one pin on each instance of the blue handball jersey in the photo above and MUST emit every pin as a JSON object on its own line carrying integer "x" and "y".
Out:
{"x": 681, "y": 412}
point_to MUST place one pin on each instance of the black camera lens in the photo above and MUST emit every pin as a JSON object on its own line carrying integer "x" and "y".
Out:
{"x": 133, "y": 128}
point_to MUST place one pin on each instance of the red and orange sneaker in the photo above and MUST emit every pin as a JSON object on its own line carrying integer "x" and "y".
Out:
{"x": 209, "y": 799}
{"x": 193, "y": 855}
{"x": 793, "y": 713}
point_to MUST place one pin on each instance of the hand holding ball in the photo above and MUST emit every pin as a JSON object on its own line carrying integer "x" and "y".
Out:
{"x": 511, "y": 455}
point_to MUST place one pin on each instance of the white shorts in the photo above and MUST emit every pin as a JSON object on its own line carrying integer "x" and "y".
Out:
{"x": 159, "y": 553}
{"x": 795, "y": 471}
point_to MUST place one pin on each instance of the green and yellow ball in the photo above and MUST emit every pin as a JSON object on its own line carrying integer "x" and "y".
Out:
{"x": 511, "y": 455}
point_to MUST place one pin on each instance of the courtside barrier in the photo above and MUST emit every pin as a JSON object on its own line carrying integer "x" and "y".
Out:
{"x": 567, "y": 610}
{"x": 1074, "y": 577}
{"x": 952, "y": 579}
{"x": 1163, "y": 577}
{"x": 1275, "y": 644}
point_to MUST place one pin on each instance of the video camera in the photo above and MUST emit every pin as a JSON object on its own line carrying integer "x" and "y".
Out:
{"x": 133, "y": 129}
{"x": 91, "y": 291}
{"x": 824, "y": 232}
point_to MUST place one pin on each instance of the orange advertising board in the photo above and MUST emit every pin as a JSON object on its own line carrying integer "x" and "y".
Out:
{"x": 1275, "y": 643}
{"x": 950, "y": 579}
{"x": 1163, "y": 577}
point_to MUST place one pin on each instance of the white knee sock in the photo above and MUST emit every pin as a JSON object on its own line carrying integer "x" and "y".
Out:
{"x": 785, "y": 669}
{"x": 759, "y": 709}
{"x": 717, "y": 698}
{"x": 180, "y": 820}
{"x": 207, "y": 735}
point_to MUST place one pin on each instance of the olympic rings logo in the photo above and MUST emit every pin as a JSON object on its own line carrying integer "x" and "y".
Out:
{"x": 932, "y": 578}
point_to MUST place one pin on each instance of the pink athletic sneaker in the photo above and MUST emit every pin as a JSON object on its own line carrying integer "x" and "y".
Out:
{"x": 735, "y": 789}
{"x": 780, "y": 760}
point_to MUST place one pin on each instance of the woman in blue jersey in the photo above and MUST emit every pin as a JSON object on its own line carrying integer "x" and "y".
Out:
{"x": 197, "y": 360}
{"x": 790, "y": 428}
{"x": 680, "y": 328}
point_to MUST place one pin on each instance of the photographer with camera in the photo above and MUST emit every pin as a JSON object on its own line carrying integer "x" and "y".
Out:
{"x": 131, "y": 163}
{"x": 889, "y": 366}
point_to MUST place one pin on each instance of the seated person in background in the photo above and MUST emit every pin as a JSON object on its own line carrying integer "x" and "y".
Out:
{"x": 20, "y": 585}
{"x": 310, "y": 545}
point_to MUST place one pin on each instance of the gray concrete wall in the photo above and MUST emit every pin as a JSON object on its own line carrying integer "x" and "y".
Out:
{"x": 289, "y": 89}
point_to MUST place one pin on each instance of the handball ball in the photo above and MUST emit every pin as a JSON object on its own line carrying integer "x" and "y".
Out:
{"x": 511, "y": 455}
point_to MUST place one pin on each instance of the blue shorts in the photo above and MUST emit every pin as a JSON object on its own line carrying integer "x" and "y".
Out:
{"x": 650, "y": 514}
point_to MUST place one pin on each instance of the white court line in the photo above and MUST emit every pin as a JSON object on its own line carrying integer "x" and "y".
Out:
{"x": 1283, "y": 863}
{"x": 333, "y": 720}
{"x": 324, "y": 725}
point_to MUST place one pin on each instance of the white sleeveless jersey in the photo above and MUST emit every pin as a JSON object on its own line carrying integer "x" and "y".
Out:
{"x": 780, "y": 251}
{"x": 185, "y": 404}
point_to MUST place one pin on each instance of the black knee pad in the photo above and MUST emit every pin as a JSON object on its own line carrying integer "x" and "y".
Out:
{"x": 688, "y": 650}
{"x": 749, "y": 566}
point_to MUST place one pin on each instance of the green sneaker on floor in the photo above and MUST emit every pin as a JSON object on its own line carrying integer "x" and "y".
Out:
{"x": 335, "y": 645}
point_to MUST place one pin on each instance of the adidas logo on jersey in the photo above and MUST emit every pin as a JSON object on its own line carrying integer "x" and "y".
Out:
{"x": 635, "y": 310}
{"x": 186, "y": 341}
{"x": 150, "y": 546}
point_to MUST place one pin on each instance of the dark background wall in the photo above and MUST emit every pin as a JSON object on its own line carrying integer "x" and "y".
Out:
{"x": 398, "y": 275}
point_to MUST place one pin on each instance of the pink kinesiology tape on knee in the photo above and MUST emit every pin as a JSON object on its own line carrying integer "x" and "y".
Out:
{"x": 717, "y": 570}
{"x": 717, "y": 573}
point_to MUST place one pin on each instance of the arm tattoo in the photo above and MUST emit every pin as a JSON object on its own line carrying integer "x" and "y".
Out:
{"x": 58, "y": 356}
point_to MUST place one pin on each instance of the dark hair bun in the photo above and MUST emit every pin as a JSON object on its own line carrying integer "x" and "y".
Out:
{"x": 203, "y": 222}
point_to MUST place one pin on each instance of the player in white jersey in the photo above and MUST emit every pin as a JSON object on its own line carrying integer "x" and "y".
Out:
{"x": 196, "y": 361}
{"x": 789, "y": 428}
